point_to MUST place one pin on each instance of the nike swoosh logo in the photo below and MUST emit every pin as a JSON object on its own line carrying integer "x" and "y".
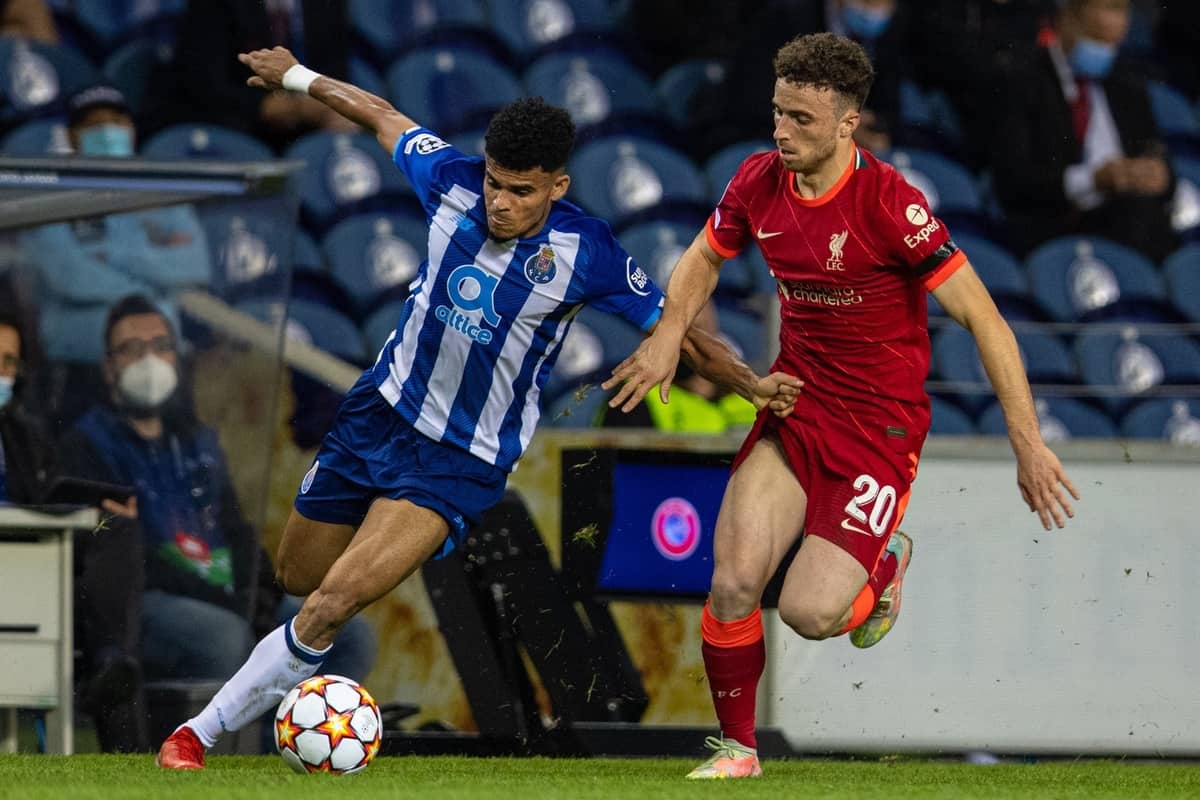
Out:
{"x": 763, "y": 235}
{"x": 850, "y": 526}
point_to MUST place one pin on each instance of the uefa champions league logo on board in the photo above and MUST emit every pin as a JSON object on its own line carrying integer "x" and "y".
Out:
{"x": 675, "y": 529}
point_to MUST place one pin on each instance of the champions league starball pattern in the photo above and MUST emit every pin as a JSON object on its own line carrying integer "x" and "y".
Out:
{"x": 328, "y": 724}
{"x": 675, "y": 528}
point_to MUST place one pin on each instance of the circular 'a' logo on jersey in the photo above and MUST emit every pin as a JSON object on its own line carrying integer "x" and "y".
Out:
{"x": 540, "y": 267}
{"x": 916, "y": 214}
{"x": 675, "y": 528}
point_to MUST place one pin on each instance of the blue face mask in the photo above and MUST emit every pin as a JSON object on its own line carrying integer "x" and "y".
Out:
{"x": 1092, "y": 59}
{"x": 6, "y": 390}
{"x": 107, "y": 140}
{"x": 865, "y": 23}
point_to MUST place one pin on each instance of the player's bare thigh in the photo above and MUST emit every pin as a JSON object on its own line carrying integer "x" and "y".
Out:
{"x": 307, "y": 551}
{"x": 819, "y": 589}
{"x": 761, "y": 515}
{"x": 395, "y": 538}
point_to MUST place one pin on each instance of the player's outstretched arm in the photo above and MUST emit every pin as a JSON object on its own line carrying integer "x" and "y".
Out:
{"x": 715, "y": 360}
{"x": 1040, "y": 475}
{"x": 655, "y": 359}
{"x": 277, "y": 68}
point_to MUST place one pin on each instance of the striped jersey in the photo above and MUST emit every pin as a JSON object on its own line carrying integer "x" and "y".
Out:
{"x": 852, "y": 268}
{"x": 485, "y": 320}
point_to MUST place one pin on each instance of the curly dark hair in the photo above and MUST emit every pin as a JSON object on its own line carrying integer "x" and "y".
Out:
{"x": 827, "y": 60}
{"x": 530, "y": 133}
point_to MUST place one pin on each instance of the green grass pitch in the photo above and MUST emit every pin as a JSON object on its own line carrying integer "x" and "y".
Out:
{"x": 85, "y": 777}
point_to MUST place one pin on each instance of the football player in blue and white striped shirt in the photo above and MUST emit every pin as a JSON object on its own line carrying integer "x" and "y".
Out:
{"x": 423, "y": 443}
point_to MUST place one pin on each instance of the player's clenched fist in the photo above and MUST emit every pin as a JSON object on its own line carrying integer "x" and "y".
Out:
{"x": 268, "y": 66}
{"x": 778, "y": 392}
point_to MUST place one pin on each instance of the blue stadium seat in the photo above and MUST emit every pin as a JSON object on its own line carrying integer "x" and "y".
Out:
{"x": 722, "y": 165}
{"x": 38, "y": 78}
{"x": 1182, "y": 270}
{"x": 214, "y": 142}
{"x": 1185, "y": 209}
{"x": 595, "y": 344}
{"x": 306, "y": 254}
{"x": 1060, "y": 418}
{"x": 529, "y": 25}
{"x": 130, "y": 67}
{"x": 470, "y": 142}
{"x": 580, "y": 406}
{"x": 1135, "y": 363}
{"x": 313, "y": 324}
{"x": 251, "y": 244}
{"x": 1173, "y": 114}
{"x": 346, "y": 174}
{"x": 1047, "y": 359}
{"x": 387, "y": 27}
{"x": 748, "y": 333}
{"x": 656, "y": 245}
{"x": 949, "y": 187}
{"x": 691, "y": 91}
{"x": 595, "y": 86}
{"x": 1004, "y": 277}
{"x": 955, "y": 359}
{"x": 38, "y": 137}
{"x": 450, "y": 89}
{"x": 618, "y": 177}
{"x": 1079, "y": 278}
{"x": 1174, "y": 420}
{"x": 929, "y": 119}
{"x": 376, "y": 256}
{"x": 948, "y": 419}
{"x": 366, "y": 77}
{"x": 379, "y": 325}
{"x": 109, "y": 22}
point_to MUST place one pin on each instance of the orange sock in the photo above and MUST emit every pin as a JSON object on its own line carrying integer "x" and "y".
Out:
{"x": 862, "y": 607}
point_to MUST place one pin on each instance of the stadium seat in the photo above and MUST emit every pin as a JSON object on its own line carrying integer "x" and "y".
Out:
{"x": 949, "y": 188}
{"x": 107, "y": 23}
{"x": 595, "y": 86}
{"x": 38, "y": 137}
{"x": 249, "y": 243}
{"x": 366, "y": 77}
{"x": 1174, "y": 420}
{"x": 313, "y": 324}
{"x": 387, "y": 27}
{"x": 529, "y": 25}
{"x": 379, "y": 325}
{"x": 1060, "y": 418}
{"x": 748, "y": 333}
{"x": 618, "y": 177}
{"x": 690, "y": 93}
{"x": 130, "y": 67}
{"x": 346, "y": 174}
{"x": 955, "y": 360}
{"x": 204, "y": 141}
{"x": 470, "y": 142}
{"x": 1135, "y": 363}
{"x": 595, "y": 344}
{"x": 38, "y": 78}
{"x": 1182, "y": 270}
{"x": 722, "y": 165}
{"x": 579, "y": 406}
{"x": 929, "y": 120}
{"x": 376, "y": 256}
{"x": 1080, "y": 278}
{"x": 656, "y": 245}
{"x": 450, "y": 88}
{"x": 1173, "y": 114}
{"x": 1003, "y": 275}
{"x": 1185, "y": 206}
{"x": 948, "y": 419}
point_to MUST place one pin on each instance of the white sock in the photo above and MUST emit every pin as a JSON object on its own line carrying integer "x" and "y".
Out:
{"x": 278, "y": 663}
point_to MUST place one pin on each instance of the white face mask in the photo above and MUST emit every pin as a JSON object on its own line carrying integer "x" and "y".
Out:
{"x": 148, "y": 382}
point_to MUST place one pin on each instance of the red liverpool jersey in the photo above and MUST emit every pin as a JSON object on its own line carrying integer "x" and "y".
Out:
{"x": 852, "y": 268}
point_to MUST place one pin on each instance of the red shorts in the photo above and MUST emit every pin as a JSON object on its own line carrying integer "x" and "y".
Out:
{"x": 857, "y": 481}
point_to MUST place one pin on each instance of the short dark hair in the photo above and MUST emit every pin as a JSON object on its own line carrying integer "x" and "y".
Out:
{"x": 825, "y": 60}
{"x": 12, "y": 319}
{"x": 131, "y": 306}
{"x": 530, "y": 133}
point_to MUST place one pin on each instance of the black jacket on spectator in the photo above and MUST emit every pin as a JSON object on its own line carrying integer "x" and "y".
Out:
{"x": 208, "y": 83}
{"x": 28, "y": 454}
{"x": 1035, "y": 143}
{"x": 1179, "y": 38}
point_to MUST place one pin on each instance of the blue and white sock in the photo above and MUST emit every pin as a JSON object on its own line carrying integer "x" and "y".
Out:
{"x": 278, "y": 663}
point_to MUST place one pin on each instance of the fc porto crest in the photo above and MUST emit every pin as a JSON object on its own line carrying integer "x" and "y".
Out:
{"x": 540, "y": 267}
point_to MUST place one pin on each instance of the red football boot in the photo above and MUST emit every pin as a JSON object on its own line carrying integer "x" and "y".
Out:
{"x": 181, "y": 750}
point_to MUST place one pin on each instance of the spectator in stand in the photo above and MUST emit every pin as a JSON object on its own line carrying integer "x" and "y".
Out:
{"x": 968, "y": 49}
{"x": 195, "y": 555}
{"x": 25, "y": 450}
{"x": 1077, "y": 150}
{"x": 208, "y": 84}
{"x": 28, "y": 19}
{"x": 880, "y": 26}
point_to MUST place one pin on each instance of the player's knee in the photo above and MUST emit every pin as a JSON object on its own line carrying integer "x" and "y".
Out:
{"x": 295, "y": 579}
{"x": 809, "y": 620}
{"x": 735, "y": 593}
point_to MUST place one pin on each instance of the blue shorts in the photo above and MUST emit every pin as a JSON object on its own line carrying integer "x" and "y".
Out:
{"x": 372, "y": 451}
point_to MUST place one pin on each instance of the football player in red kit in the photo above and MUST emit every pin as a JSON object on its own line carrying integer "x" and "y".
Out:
{"x": 853, "y": 248}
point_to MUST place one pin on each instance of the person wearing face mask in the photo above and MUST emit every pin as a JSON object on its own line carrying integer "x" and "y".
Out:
{"x": 1077, "y": 150}
{"x": 85, "y": 265}
{"x": 879, "y": 26}
{"x": 197, "y": 564}
{"x": 25, "y": 449}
